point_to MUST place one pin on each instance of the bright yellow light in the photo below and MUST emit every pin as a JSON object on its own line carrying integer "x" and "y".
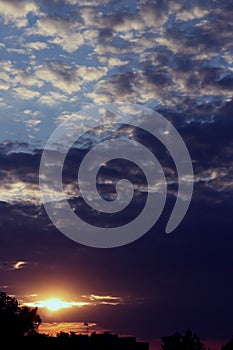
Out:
{"x": 55, "y": 304}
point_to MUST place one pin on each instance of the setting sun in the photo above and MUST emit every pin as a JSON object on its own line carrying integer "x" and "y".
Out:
{"x": 56, "y": 304}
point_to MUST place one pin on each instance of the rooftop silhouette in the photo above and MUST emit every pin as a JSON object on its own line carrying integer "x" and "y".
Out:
{"x": 104, "y": 341}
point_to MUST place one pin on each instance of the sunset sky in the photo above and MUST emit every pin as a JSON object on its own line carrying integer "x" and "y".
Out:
{"x": 174, "y": 57}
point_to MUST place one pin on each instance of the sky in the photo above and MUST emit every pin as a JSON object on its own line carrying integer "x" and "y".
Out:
{"x": 59, "y": 57}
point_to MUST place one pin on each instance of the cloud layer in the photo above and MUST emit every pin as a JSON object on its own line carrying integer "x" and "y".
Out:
{"x": 174, "y": 57}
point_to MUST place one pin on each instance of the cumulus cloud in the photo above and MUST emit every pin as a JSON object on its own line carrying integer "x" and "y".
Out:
{"x": 16, "y": 12}
{"x": 194, "y": 12}
{"x": 22, "y": 77}
{"x": 134, "y": 86}
{"x": 91, "y": 73}
{"x": 69, "y": 43}
{"x": 146, "y": 55}
{"x": 3, "y": 85}
{"x": 5, "y": 70}
{"x": 146, "y": 16}
{"x": 31, "y": 119}
{"x": 12, "y": 190}
{"x": 60, "y": 76}
{"x": 20, "y": 81}
{"x": 60, "y": 32}
{"x": 26, "y": 94}
{"x": 112, "y": 61}
{"x": 37, "y": 45}
{"x": 32, "y": 123}
{"x": 2, "y": 103}
{"x": 52, "y": 98}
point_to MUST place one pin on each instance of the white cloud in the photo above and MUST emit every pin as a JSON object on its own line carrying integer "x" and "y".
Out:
{"x": 145, "y": 17}
{"x": 101, "y": 98}
{"x": 32, "y": 113}
{"x": 3, "y": 104}
{"x": 48, "y": 26}
{"x": 26, "y": 94}
{"x": 32, "y": 119}
{"x": 37, "y": 45}
{"x": 71, "y": 2}
{"x": 19, "y": 264}
{"x": 70, "y": 43}
{"x": 91, "y": 73}
{"x": 60, "y": 76}
{"x": 91, "y": 35}
{"x": 13, "y": 190}
{"x": 6, "y": 66}
{"x": 111, "y": 50}
{"x": 31, "y": 123}
{"x": 104, "y": 299}
{"x": 19, "y": 79}
{"x": 12, "y": 11}
{"x": 18, "y": 51}
{"x": 18, "y": 82}
{"x": 52, "y": 98}
{"x": 3, "y": 85}
{"x": 112, "y": 61}
{"x": 192, "y": 13}
{"x": 24, "y": 78}
{"x": 65, "y": 33}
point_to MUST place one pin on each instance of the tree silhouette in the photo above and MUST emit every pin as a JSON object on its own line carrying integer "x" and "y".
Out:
{"x": 15, "y": 320}
{"x": 188, "y": 341}
{"x": 228, "y": 346}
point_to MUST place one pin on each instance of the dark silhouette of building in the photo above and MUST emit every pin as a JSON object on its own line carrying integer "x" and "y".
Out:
{"x": 107, "y": 340}
{"x": 228, "y": 346}
{"x": 72, "y": 341}
{"x": 19, "y": 325}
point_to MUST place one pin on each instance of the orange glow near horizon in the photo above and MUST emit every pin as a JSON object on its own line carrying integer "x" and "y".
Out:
{"x": 56, "y": 304}
{"x": 53, "y": 328}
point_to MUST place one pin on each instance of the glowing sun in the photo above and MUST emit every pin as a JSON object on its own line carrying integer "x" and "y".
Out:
{"x": 55, "y": 304}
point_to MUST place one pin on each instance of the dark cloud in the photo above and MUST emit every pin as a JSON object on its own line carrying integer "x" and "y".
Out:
{"x": 105, "y": 35}
{"x": 23, "y": 165}
{"x": 157, "y": 78}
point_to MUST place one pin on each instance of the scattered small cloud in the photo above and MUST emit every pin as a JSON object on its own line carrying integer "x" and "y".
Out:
{"x": 104, "y": 299}
{"x": 60, "y": 76}
{"x": 13, "y": 13}
{"x": 19, "y": 265}
{"x": 8, "y": 265}
{"x": 91, "y": 73}
{"x": 37, "y": 45}
{"x": 59, "y": 31}
{"x": 26, "y": 94}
